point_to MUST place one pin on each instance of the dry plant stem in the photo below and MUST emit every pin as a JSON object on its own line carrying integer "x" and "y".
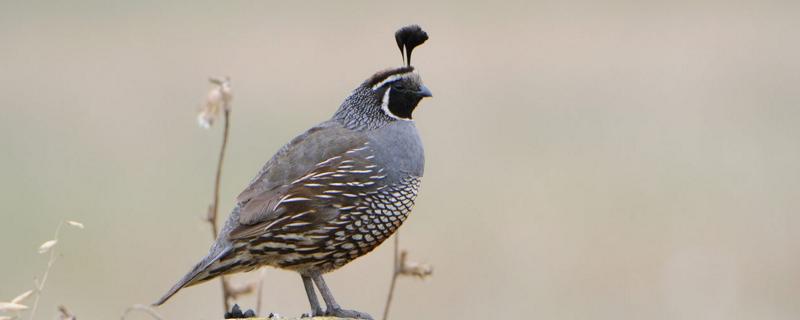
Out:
{"x": 212, "y": 214}
{"x": 258, "y": 298}
{"x": 65, "y": 314}
{"x": 40, "y": 285}
{"x": 260, "y": 291}
{"x": 395, "y": 274}
{"x": 213, "y": 209}
{"x": 144, "y": 308}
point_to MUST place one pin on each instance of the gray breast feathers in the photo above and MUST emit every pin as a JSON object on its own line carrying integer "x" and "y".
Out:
{"x": 399, "y": 148}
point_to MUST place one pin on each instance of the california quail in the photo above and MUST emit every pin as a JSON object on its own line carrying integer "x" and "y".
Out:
{"x": 332, "y": 194}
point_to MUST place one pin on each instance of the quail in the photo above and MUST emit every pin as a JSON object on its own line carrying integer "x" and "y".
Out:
{"x": 333, "y": 193}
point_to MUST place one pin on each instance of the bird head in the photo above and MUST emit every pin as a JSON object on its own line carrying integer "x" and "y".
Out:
{"x": 392, "y": 94}
{"x": 398, "y": 90}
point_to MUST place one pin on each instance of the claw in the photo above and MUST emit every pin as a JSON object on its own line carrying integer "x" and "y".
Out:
{"x": 343, "y": 313}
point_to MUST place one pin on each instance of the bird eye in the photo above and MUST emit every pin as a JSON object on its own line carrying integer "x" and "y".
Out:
{"x": 399, "y": 86}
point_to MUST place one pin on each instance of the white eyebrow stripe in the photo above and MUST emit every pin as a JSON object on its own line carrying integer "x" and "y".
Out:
{"x": 388, "y": 79}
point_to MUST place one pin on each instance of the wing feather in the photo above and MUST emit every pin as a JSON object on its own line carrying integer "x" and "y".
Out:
{"x": 307, "y": 182}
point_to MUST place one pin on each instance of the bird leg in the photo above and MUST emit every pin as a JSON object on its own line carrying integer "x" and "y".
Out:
{"x": 316, "y": 310}
{"x": 333, "y": 308}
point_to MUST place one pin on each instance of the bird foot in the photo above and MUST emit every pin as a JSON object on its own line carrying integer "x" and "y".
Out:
{"x": 315, "y": 313}
{"x": 236, "y": 313}
{"x": 342, "y": 313}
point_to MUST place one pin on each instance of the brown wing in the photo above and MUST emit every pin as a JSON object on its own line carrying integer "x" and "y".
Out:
{"x": 336, "y": 181}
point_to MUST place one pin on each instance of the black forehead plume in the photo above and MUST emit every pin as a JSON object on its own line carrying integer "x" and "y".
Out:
{"x": 409, "y": 37}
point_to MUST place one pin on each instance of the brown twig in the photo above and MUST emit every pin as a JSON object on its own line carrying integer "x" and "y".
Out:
{"x": 395, "y": 274}
{"x": 260, "y": 291}
{"x": 146, "y": 309}
{"x": 64, "y": 314}
{"x": 402, "y": 267}
{"x": 213, "y": 209}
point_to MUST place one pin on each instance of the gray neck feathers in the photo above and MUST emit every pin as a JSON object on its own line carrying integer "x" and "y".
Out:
{"x": 362, "y": 111}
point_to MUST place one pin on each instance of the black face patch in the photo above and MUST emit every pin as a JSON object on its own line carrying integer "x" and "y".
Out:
{"x": 402, "y": 100}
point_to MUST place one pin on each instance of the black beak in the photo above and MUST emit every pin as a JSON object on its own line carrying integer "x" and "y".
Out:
{"x": 424, "y": 91}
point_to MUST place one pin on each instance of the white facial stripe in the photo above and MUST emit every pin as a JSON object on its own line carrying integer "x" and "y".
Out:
{"x": 385, "y": 106}
{"x": 389, "y": 79}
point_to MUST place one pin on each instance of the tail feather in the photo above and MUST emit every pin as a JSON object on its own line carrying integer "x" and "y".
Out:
{"x": 198, "y": 274}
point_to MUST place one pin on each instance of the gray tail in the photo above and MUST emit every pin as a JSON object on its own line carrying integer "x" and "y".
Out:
{"x": 199, "y": 273}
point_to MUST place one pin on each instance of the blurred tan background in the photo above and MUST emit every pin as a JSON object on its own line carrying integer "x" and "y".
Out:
{"x": 622, "y": 160}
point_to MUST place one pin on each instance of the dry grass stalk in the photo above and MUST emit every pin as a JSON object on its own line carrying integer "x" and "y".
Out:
{"x": 242, "y": 290}
{"x": 75, "y": 224}
{"x": 20, "y": 298}
{"x": 260, "y": 290}
{"x": 219, "y": 97}
{"x": 395, "y": 269}
{"x": 64, "y": 314}
{"x": 414, "y": 269}
{"x": 47, "y": 245}
{"x": 403, "y": 267}
{"x": 16, "y": 306}
{"x": 140, "y": 307}
{"x": 10, "y": 306}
